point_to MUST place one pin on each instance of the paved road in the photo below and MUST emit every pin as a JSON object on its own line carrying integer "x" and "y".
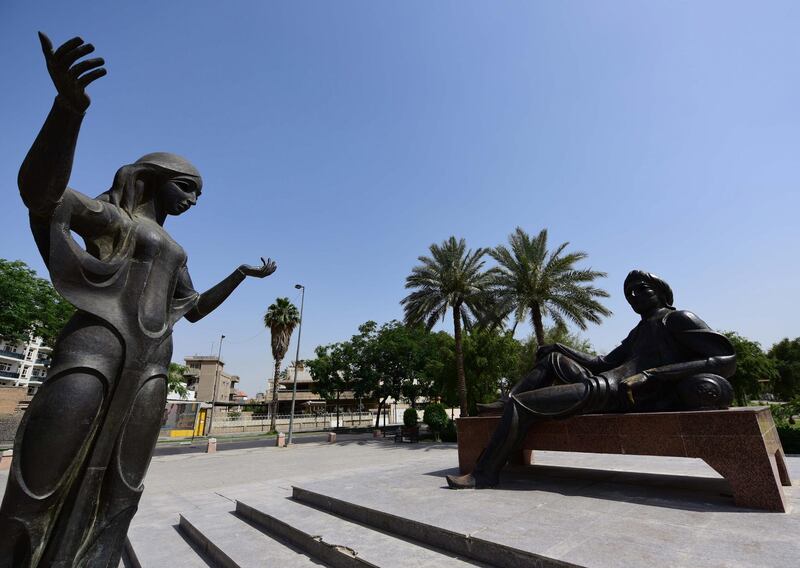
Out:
{"x": 246, "y": 443}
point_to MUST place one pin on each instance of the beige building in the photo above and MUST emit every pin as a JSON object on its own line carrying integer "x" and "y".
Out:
{"x": 306, "y": 400}
{"x": 201, "y": 374}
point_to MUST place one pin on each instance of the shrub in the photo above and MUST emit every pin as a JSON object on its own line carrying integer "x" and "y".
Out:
{"x": 782, "y": 413}
{"x": 449, "y": 433}
{"x": 435, "y": 417}
{"x": 410, "y": 417}
{"x": 790, "y": 438}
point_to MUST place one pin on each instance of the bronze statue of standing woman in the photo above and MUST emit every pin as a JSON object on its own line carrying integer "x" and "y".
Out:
{"x": 85, "y": 443}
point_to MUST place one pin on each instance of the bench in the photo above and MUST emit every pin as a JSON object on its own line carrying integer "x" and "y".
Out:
{"x": 410, "y": 435}
{"x": 741, "y": 444}
{"x": 390, "y": 431}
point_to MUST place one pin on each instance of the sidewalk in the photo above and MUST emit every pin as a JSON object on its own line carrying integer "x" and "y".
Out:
{"x": 587, "y": 509}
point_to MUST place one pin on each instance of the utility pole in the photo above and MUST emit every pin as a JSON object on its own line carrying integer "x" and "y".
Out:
{"x": 216, "y": 383}
{"x": 296, "y": 361}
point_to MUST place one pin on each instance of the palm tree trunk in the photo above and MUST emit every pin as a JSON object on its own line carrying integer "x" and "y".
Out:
{"x": 274, "y": 405}
{"x": 462, "y": 380}
{"x": 538, "y": 326}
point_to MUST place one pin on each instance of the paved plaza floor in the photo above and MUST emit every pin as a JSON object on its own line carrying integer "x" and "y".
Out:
{"x": 569, "y": 508}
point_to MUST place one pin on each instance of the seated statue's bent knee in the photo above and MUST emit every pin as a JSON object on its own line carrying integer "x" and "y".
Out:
{"x": 553, "y": 368}
{"x": 704, "y": 391}
{"x": 589, "y": 394}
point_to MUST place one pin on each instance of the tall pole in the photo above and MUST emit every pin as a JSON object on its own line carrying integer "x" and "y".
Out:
{"x": 216, "y": 383}
{"x": 296, "y": 360}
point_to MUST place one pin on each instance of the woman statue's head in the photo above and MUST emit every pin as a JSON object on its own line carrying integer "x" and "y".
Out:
{"x": 157, "y": 185}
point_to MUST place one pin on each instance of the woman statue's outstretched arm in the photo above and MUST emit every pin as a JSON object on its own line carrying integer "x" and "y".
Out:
{"x": 45, "y": 172}
{"x": 208, "y": 301}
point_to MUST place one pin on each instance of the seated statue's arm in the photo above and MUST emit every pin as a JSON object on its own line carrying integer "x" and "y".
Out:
{"x": 595, "y": 363}
{"x": 714, "y": 353}
{"x": 210, "y": 300}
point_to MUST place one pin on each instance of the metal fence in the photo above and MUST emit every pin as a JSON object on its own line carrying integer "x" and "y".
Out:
{"x": 302, "y": 422}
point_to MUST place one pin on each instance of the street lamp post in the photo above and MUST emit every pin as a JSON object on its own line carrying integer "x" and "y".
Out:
{"x": 296, "y": 360}
{"x": 216, "y": 383}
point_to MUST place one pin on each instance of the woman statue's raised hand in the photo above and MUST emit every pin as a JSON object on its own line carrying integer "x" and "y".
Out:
{"x": 70, "y": 78}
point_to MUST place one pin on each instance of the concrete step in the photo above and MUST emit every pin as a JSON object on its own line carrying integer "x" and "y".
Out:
{"x": 475, "y": 550}
{"x": 338, "y": 542}
{"x": 153, "y": 545}
{"x": 231, "y": 542}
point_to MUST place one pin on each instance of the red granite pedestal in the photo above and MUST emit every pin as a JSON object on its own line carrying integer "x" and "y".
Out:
{"x": 740, "y": 443}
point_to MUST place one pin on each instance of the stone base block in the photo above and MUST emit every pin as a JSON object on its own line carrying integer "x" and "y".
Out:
{"x": 740, "y": 443}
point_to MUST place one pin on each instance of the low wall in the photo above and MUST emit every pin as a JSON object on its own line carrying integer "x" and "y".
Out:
{"x": 10, "y": 413}
{"x": 302, "y": 423}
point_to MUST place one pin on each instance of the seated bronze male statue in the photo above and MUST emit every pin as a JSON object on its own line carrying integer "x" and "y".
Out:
{"x": 670, "y": 361}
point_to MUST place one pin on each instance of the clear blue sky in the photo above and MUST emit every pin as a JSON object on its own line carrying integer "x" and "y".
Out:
{"x": 343, "y": 138}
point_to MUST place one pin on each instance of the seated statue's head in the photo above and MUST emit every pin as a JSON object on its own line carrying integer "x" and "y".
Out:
{"x": 157, "y": 184}
{"x": 646, "y": 292}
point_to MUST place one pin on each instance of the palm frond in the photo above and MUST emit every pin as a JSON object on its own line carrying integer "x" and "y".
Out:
{"x": 529, "y": 277}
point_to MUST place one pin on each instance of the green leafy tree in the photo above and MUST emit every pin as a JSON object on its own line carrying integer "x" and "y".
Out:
{"x": 491, "y": 358}
{"x": 532, "y": 282}
{"x": 395, "y": 357}
{"x": 175, "y": 379}
{"x": 389, "y": 361}
{"x": 752, "y": 367}
{"x": 281, "y": 319}
{"x": 451, "y": 278}
{"x": 332, "y": 370}
{"x": 366, "y": 362}
{"x": 425, "y": 364}
{"x": 786, "y": 354}
{"x": 29, "y": 305}
{"x": 440, "y": 369}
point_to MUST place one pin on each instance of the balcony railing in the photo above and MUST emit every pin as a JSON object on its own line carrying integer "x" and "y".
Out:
{"x": 9, "y": 374}
{"x": 12, "y": 354}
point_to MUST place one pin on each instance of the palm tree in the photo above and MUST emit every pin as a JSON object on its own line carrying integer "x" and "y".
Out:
{"x": 281, "y": 319}
{"x": 451, "y": 278}
{"x": 529, "y": 280}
